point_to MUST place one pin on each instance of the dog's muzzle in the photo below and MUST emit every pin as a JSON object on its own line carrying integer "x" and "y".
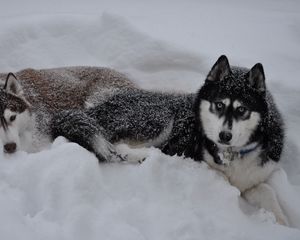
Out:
{"x": 225, "y": 137}
{"x": 10, "y": 147}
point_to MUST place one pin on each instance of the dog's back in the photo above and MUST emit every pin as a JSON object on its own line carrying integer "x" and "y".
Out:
{"x": 68, "y": 87}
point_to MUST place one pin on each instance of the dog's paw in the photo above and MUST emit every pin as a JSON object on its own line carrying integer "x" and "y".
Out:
{"x": 116, "y": 157}
{"x": 132, "y": 155}
{"x": 282, "y": 220}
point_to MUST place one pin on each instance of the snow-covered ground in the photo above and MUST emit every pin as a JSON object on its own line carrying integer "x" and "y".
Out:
{"x": 63, "y": 193}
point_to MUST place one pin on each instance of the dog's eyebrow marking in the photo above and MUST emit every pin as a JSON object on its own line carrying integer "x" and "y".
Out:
{"x": 226, "y": 101}
{"x": 8, "y": 113}
{"x": 237, "y": 104}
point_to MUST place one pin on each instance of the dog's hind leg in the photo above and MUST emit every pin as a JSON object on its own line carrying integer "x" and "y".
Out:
{"x": 78, "y": 127}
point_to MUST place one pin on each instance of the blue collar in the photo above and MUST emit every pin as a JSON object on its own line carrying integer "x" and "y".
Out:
{"x": 248, "y": 149}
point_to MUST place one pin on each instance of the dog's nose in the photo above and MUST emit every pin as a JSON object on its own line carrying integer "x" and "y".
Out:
{"x": 225, "y": 136}
{"x": 10, "y": 147}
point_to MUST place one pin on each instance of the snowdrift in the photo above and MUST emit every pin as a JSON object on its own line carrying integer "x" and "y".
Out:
{"x": 63, "y": 193}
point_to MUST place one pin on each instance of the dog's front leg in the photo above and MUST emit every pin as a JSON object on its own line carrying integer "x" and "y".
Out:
{"x": 78, "y": 127}
{"x": 264, "y": 196}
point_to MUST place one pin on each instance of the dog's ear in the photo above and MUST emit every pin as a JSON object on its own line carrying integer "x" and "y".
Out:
{"x": 12, "y": 85}
{"x": 220, "y": 70}
{"x": 256, "y": 77}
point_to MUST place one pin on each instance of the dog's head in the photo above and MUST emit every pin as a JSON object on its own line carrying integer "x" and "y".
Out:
{"x": 231, "y": 105}
{"x": 15, "y": 114}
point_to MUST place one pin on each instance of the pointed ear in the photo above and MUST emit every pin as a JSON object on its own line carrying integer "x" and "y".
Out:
{"x": 220, "y": 70}
{"x": 256, "y": 77}
{"x": 12, "y": 85}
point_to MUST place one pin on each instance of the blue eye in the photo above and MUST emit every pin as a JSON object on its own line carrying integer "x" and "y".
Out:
{"x": 219, "y": 106}
{"x": 241, "y": 110}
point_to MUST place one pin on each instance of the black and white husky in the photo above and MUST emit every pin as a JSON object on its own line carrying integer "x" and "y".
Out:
{"x": 231, "y": 123}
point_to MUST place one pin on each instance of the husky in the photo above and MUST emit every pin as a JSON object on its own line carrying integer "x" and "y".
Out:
{"x": 30, "y": 98}
{"x": 231, "y": 123}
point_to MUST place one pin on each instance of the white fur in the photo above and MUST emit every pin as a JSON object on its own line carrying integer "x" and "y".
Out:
{"x": 236, "y": 104}
{"x": 226, "y": 101}
{"x": 16, "y": 129}
{"x": 133, "y": 155}
{"x": 287, "y": 195}
{"x": 114, "y": 153}
{"x": 213, "y": 125}
{"x": 264, "y": 196}
{"x": 242, "y": 129}
{"x": 250, "y": 177}
{"x": 246, "y": 172}
{"x": 105, "y": 148}
{"x": 130, "y": 149}
{"x": 121, "y": 151}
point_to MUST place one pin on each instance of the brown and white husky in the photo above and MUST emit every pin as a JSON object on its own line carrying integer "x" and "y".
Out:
{"x": 30, "y": 98}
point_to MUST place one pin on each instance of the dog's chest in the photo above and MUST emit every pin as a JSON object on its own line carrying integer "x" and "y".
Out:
{"x": 244, "y": 172}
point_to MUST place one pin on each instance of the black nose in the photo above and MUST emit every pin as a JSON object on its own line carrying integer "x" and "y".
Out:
{"x": 10, "y": 147}
{"x": 225, "y": 136}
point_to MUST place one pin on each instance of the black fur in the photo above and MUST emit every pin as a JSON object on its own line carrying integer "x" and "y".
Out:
{"x": 139, "y": 115}
{"x": 78, "y": 127}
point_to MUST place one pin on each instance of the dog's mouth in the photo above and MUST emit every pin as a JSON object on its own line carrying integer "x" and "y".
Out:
{"x": 224, "y": 143}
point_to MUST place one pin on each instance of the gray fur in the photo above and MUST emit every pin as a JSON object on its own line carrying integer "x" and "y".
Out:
{"x": 139, "y": 116}
{"x": 136, "y": 115}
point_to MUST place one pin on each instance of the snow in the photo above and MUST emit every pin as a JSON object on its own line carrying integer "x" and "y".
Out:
{"x": 63, "y": 193}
